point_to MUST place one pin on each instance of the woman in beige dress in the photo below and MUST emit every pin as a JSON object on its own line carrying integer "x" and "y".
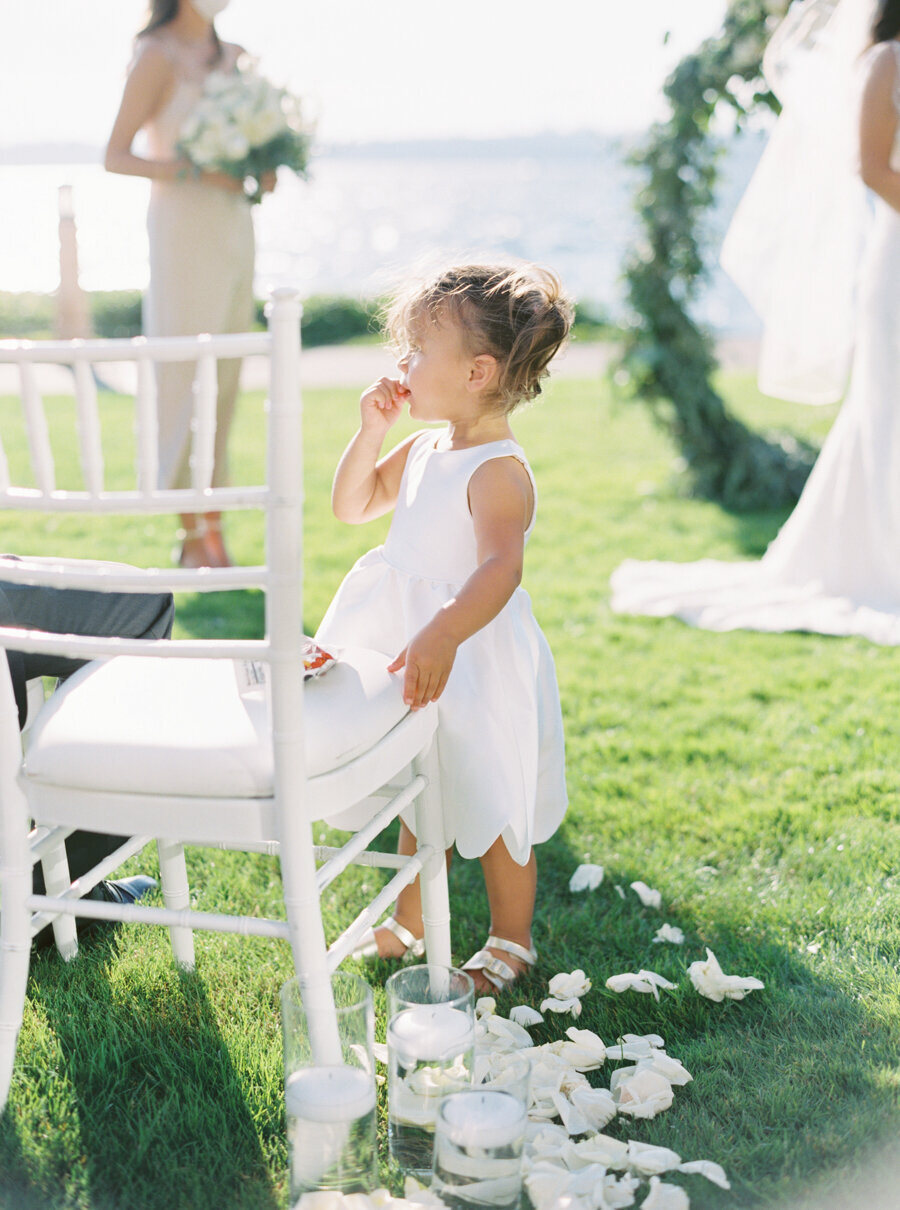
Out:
{"x": 200, "y": 234}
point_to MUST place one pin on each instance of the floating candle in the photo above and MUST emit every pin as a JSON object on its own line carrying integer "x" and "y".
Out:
{"x": 430, "y": 1033}
{"x": 330, "y": 1094}
{"x": 482, "y": 1118}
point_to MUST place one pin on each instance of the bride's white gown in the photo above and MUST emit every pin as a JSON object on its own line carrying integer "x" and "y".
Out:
{"x": 834, "y": 567}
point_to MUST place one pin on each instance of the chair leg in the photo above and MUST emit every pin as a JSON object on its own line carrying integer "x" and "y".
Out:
{"x": 177, "y": 896}
{"x": 15, "y": 889}
{"x": 433, "y": 879}
{"x": 57, "y": 879}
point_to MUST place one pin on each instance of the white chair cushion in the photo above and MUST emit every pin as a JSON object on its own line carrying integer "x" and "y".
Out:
{"x": 150, "y": 725}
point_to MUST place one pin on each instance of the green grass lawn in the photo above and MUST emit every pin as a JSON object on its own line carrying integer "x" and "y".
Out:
{"x": 751, "y": 778}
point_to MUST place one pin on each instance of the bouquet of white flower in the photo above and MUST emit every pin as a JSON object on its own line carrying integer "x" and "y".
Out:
{"x": 245, "y": 126}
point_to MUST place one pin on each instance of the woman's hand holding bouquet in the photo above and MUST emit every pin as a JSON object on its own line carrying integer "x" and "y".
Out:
{"x": 244, "y": 128}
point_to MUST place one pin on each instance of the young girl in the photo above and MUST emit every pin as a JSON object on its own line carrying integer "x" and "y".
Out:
{"x": 441, "y": 597}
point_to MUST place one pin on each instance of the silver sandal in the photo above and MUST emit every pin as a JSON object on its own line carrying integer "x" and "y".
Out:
{"x": 496, "y": 971}
{"x": 368, "y": 945}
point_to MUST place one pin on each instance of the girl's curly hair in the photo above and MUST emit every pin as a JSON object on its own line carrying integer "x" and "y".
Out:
{"x": 517, "y": 315}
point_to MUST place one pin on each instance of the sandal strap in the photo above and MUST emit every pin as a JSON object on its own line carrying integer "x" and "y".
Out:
{"x": 496, "y": 971}
{"x": 414, "y": 944}
{"x": 528, "y": 956}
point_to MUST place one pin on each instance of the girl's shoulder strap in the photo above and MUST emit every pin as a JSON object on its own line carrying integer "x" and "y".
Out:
{"x": 506, "y": 448}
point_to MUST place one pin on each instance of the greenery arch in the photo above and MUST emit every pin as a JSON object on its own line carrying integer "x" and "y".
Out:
{"x": 668, "y": 360}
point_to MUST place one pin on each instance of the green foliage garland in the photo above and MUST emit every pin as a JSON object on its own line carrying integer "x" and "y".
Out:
{"x": 668, "y": 359}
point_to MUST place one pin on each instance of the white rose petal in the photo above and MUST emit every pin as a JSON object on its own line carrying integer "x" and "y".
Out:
{"x": 524, "y": 1015}
{"x": 670, "y": 933}
{"x": 545, "y": 1140}
{"x": 710, "y": 981}
{"x": 712, "y": 1171}
{"x": 485, "y": 1006}
{"x": 650, "y": 1160}
{"x": 665, "y": 1197}
{"x": 635, "y": 1046}
{"x": 584, "y": 1051}
{"x": 647, "y": 896}
{"x": 563, "y": 985}
{"x": 665, "y": 1065}
{"x": 553, "y": 1005}
{"x": 586, "y": 878}
{"x": 380, "y": 1051}
{"x": 598, "y": 1149}
{"x": 596, "y": 1105}
{"x": 642, "y": 981}
{"x": 618, "y": 1192}
{"x": 652, "y": 1040}
{"x": 546, "y": 1184}
{"x": 573, "y": 1119}
{"x": 586, "y": 1181}
{"x": 640, "y": 1094}
{"x": 508, "y": 1032}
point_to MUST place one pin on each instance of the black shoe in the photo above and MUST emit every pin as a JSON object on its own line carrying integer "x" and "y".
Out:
{"x": 123, "y": 890}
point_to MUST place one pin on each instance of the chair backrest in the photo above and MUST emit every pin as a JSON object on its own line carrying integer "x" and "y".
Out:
{"x": 281, "y": 497}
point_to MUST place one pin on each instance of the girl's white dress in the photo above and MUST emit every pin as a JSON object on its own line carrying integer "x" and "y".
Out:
{"x": 500, "y": 734}
{"x": 834, "y": 567}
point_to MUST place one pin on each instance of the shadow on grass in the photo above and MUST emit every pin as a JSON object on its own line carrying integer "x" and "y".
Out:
{"x": 139, "y": 1104}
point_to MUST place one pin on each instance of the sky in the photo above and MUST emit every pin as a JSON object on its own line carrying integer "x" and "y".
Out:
{"x": 398, "y": 69}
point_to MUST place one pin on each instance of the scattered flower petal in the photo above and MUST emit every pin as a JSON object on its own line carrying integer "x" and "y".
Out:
{"x": 485, "y": 1006}
{"x": 635, "y": 1046}
{"x": 553, "y": 1005}
{"x": 665, "y": 1197}
{"x": 814, "y": 947}
{"x": 640, "y": 1094}
{"x": 669, "y": 932}
{"x": 708, "y": 1168}
{"x": 710, "y": 981}
{"x": 618, "y": 1192}
{"x": 596, "y": 1105}
{"x": 572, "y": 1118}
{"x": 642, "y": 981}
{"x": 650, "y": 1160}
{"x": 584, "y": 1050}
{"x": 524, "y": 1015}
{"x": 508, "y": 1032}
{"x": 666, "y": 1066}
{"x": 647, "y": 896}
{"x": 619, "y": 891}
{"x": 598, "y": 1149}
{"x": 563, "y": 986}
{"x": 546, "y": 1184}
{"x": 380, "y": 1051}
{"x": 586, "y": 878}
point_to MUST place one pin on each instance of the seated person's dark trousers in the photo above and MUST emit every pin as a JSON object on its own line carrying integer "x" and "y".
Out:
{"x": 73, "y": 611}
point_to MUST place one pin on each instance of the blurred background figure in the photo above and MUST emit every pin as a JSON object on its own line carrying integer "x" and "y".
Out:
{"x": 200, "y": 235}
{"x": 796, "y": 241}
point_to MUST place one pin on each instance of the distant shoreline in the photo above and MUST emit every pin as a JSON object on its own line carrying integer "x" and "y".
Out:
{"x": 546, "y": 143}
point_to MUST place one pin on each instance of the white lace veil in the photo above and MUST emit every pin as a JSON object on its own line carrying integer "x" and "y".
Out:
{"x": 794, "y": 243}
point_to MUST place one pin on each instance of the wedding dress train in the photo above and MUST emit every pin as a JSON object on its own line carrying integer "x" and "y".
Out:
{"x": 834, "y": 567}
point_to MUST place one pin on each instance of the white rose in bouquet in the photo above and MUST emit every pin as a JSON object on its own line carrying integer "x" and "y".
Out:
{"x": 244, "y": 126}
